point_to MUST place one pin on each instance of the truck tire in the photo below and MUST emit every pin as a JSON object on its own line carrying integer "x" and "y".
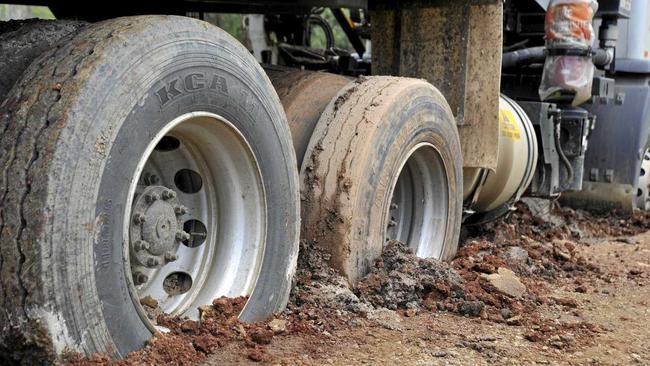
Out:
{"x": 22, "y": 41}
{"x": 384, "y": 162}
{"x": 141, "y": 145}
{"x": 304, "y": 96}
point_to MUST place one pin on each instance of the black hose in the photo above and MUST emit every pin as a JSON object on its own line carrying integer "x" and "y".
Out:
{"x": 325, "y": 26}
{"x": 537, "y": 55}
{"x": 524, "y": 56}
{"x": 563, "y": 157}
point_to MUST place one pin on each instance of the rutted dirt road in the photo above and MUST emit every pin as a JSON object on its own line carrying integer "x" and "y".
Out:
{"x": 619, "y": 307}
{"x": 570, "y": 288}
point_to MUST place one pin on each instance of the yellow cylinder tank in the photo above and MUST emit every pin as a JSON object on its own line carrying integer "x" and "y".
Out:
{"x": 486, "y": 190}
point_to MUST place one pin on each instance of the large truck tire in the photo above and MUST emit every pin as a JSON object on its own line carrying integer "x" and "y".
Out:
{"x": 145, "y": 157}
{"x": 304, "y": 96}
{"x": 384, "y": 162}
{"x": 22, "y": 41}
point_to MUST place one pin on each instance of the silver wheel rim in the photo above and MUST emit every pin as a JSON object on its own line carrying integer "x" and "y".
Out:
{"x": 200, "y": 169}
{"x": 643, "y": 190}
{"x": 419, "y": 204}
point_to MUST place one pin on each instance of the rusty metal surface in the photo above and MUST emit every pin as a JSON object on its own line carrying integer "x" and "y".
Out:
{"x": 457, "y": 47}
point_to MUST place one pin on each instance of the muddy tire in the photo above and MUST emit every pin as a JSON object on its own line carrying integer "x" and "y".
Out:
{"x": 384, "y": 162}
{"x": 22, "y": 41}
{"x": 74, "y": 134}
{"x": 304, "y": 96}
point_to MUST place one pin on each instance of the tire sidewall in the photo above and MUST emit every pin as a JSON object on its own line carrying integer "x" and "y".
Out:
{"x": 422, "y": 120}
{"x": 213, "y": 74}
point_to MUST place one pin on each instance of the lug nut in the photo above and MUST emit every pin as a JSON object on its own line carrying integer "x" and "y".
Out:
{"x": 139, "y": 278}
{"x": 152, "y": 262}
{"x": 139, "y": 218}
{"x": 180, "y": 210}
{"x": 140, "y": 245}
{"x": 170, "y": 257}
{"x": 168, "y": 194}
{"x": 182, "y": 236}
{"x": 392, "y": 223}
{"x": 393, "y": 206}
{"x": 152, "y": 197}
{"x": 152, "y": 179}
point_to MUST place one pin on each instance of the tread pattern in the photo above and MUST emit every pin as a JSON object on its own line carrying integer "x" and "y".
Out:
{"x": 22, "y": 41}
{"x": 338, "y": 156}
{"x": 31, "y": 119}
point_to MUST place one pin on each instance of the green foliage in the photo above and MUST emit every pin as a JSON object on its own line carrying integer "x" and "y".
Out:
{"x": 8, "y": 12}
{"x": 42, "y": 12}
{"x": 231, "y": 23}
{"x": 318, "y": 39}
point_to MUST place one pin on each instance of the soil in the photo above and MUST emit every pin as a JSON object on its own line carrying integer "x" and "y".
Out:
{"x": 564, "y": 287}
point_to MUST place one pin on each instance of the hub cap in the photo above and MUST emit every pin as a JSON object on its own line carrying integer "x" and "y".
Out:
{"x": 197, "y": 217}
{"x": 418, "y": 210}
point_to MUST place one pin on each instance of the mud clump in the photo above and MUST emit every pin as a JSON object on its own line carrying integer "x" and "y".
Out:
{"x": 190, "y": 342}
{"x": 400, "y": 280}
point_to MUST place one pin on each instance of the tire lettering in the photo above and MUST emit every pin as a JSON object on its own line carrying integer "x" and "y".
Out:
{"x": 105, "y": 250}
{"x": 193, "y": 82}
{"x": 219, "y": 84}
{"x": 188, "y": 84}
{"x": 167, "y": 93}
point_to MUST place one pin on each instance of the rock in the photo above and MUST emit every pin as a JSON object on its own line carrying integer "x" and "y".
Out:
{"x": 471, "y": 308}
{"x": 189, "y": 326}
{"x": 506, "y": 282}
{"x": 206, "y": 311}
{"x": 516, "y": 255}
{"x": 205, "y": 344}
{"x": 560, "y": 250}
{"x": 515, "y": 320}
{"x": 386, "y": 318}
{"x": 223, "y": 305}
{"x": 566, "y": 301}
{"x": 261, "y": 335}
{"x": 149, "y": 301}
{"x": 410, "y": 312}
{"x": 440, "y": 354}
{"x": 278, "y": 325}
{"x": 256, "y": 355}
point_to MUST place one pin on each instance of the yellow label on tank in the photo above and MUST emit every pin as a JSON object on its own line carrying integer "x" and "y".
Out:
{"x": 509, "y": 128}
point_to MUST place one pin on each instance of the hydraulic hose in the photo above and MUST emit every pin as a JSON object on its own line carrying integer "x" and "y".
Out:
{"x": 537, "y": 55}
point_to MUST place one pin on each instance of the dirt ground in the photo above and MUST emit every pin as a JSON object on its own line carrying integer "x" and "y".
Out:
{"x": 567, "y": 288}
{"x": 619, "y": 306}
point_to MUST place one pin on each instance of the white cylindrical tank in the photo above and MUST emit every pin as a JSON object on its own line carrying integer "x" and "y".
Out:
{"x": 484, "y": 190}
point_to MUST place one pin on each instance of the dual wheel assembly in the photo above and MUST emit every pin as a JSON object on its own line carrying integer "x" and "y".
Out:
{"x": 149, "y": 160}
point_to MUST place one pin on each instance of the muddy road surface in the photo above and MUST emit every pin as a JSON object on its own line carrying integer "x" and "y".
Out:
{"x": 563, "y": 288}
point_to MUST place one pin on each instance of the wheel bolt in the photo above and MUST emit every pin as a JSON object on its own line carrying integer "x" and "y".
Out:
{"x": 152, "y": 179}
{"x": 139, "y": 278}
{"x": 392, "y": 223}
{"x": 182, "y": 236}
{"x": 393, "y": 206}
{"x": 152, "y": 197}
{"x": 168, "y": 194}
{"x": 180, "y": 210}
{"x": 152, "y": 262}
{"x": 139, "y": 218}
{"x": 140, "y": 245}
{"x": 170, "y": 257}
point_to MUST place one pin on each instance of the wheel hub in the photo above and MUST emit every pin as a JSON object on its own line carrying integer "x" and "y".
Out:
{"x": 156, "y": 229}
